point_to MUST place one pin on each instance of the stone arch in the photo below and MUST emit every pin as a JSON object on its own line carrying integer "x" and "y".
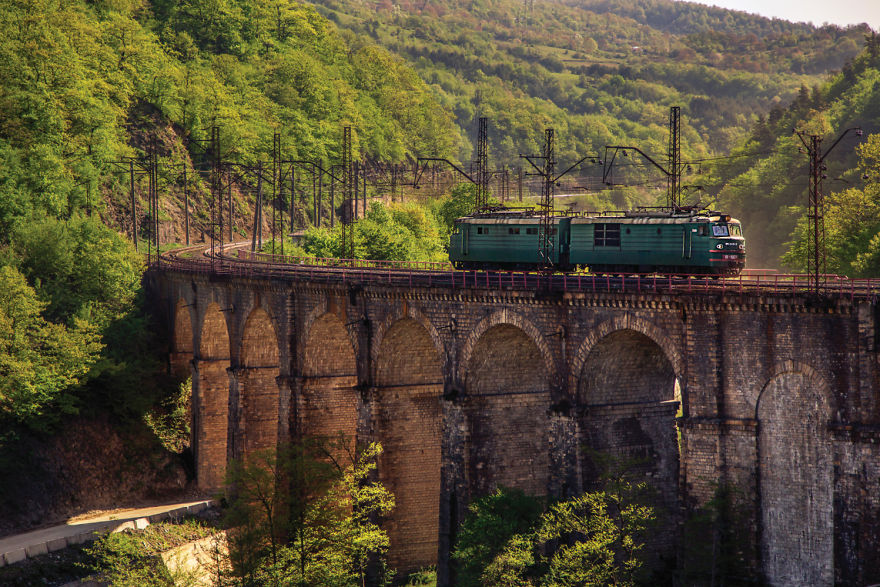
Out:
{"x": 211, "y": 405}
{"x": 625, "y": 322}
{"x": 626, "y": 398}
{"x": 795, "y": 477}
{"x": 182, "y": 342}
{"x": 402, "y": 312}
{"x": 328, "y": 401}
{"x": 507, "y": 398}
{"x": 318, "y": 312}
{"x": 259, "y": 396}
{"x": 511, "y": 318}
{"x": 409, "y": 385}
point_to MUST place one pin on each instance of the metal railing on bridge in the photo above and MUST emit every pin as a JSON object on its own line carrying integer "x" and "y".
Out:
{"x": 246, "y": 264}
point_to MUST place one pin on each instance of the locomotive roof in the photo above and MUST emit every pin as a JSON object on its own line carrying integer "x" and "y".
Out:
{"x": 649, "y": 219}
{"x": 531, "y": 218}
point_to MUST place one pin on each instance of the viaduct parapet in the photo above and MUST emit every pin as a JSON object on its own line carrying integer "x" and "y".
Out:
{"x": 469, "y": 388}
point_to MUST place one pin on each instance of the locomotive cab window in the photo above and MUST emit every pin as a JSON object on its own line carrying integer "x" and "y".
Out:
{"x": 735, "y": 230}
{"x": 702, "y": 230}
{"x": 720, "y": 230}
{"x": 606, "y": 235}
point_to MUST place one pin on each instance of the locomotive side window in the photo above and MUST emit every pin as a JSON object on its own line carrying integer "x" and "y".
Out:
{"x": 735, "y": 230}
{"x": 702, "y": 230}
{"x": 606, "y": 235}
{"x": 512, "y": 231}
{"x": 719, "y": 230}
{"x": 531, "y": 231}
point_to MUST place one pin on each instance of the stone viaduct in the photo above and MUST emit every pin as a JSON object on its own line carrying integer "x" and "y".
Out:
{"x": 468, "y": 388}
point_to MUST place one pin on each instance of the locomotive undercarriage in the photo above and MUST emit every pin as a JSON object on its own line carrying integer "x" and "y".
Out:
{"x": 614, "y": 270}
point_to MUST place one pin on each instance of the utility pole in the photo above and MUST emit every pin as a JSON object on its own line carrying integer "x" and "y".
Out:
{"x": 276, "y": 173}
{"x": 292, "y": 198}
{"x": 545, "y": 231}
{"x": 348, "y": 181}
{"x": 673, "y": 178}
{"x": 257, "y": 235}
{"x": 547, "y": 171}
{"x": 185, "y": 203}
{"x": 216, "y": 194}
{"x": 134, "y": 221}
{"x": 519, "y": 182}
{"x": 355, "y": 189}
{"x": 332, "y": 199}
{"x": 673, "y": 169}
{"x": 229, "y": 203}
{"x": 482, "y": 198}
{"x": 153, "y": 197}
{"x": 816, "y": 261}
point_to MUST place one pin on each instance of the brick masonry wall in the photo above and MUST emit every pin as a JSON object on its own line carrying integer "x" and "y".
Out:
{"x": 211, "y": 387}
{"x": 627, "y": 408}
{"x": 211, "y": 400}
{"x": 182, "y": 346}
{"x": 507, "y": 405}
{"x": 729, "y": 355}
{"x": 257, "y": 381}
{"x": 796, "y": 488}
{"x": 328, "y": 399}
{"x": 409, "y": 384}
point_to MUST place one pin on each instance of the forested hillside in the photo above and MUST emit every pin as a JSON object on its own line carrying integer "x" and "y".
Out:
{"x": 765, "y": 183}
{"x": 88, "y": 85}
{"x": 600, "y": 71}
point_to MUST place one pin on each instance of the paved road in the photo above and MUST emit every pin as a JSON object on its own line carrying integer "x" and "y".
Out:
{"x": 16, "y": 548}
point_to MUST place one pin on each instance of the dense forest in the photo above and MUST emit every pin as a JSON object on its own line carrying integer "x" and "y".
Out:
{"x": 765, "y": 180}
{"x": 600, "y": 71}
{"x": 90, "y": 86}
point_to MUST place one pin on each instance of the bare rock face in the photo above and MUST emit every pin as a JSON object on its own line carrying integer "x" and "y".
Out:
{"x": 89, "y": 464}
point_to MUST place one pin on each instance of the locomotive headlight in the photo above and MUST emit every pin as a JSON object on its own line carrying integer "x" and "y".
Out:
{"x": 718, "y": 246}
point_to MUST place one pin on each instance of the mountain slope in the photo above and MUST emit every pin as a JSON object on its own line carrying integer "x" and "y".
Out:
{"x": 769, "y": 191}
{"x": 600, "y": 71}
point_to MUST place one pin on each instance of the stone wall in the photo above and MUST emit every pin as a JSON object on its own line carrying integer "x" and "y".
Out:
{"x": 469, "y": 389}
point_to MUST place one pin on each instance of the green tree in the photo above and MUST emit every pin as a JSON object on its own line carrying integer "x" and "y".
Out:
{"x": 40, "y": 362}
{"x": 596, "y": 538}
{"x": 396, "y": 232}
{"x": 131, "y": 558}
{"x": 491, "y": 522}
{"x": 83, "y": 267}
{"x": 852, "y": 223}
{"x": 303, "y": 516}
{"x": 717, "y": 542}
{"x": 591, "y": 539}
{"x": 460, "y": 202}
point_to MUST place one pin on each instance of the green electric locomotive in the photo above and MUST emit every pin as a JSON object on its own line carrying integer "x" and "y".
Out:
{"x": 638, "y": 241}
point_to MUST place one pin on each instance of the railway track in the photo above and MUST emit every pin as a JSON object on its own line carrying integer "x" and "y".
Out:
{"x": 232, "y": 260}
